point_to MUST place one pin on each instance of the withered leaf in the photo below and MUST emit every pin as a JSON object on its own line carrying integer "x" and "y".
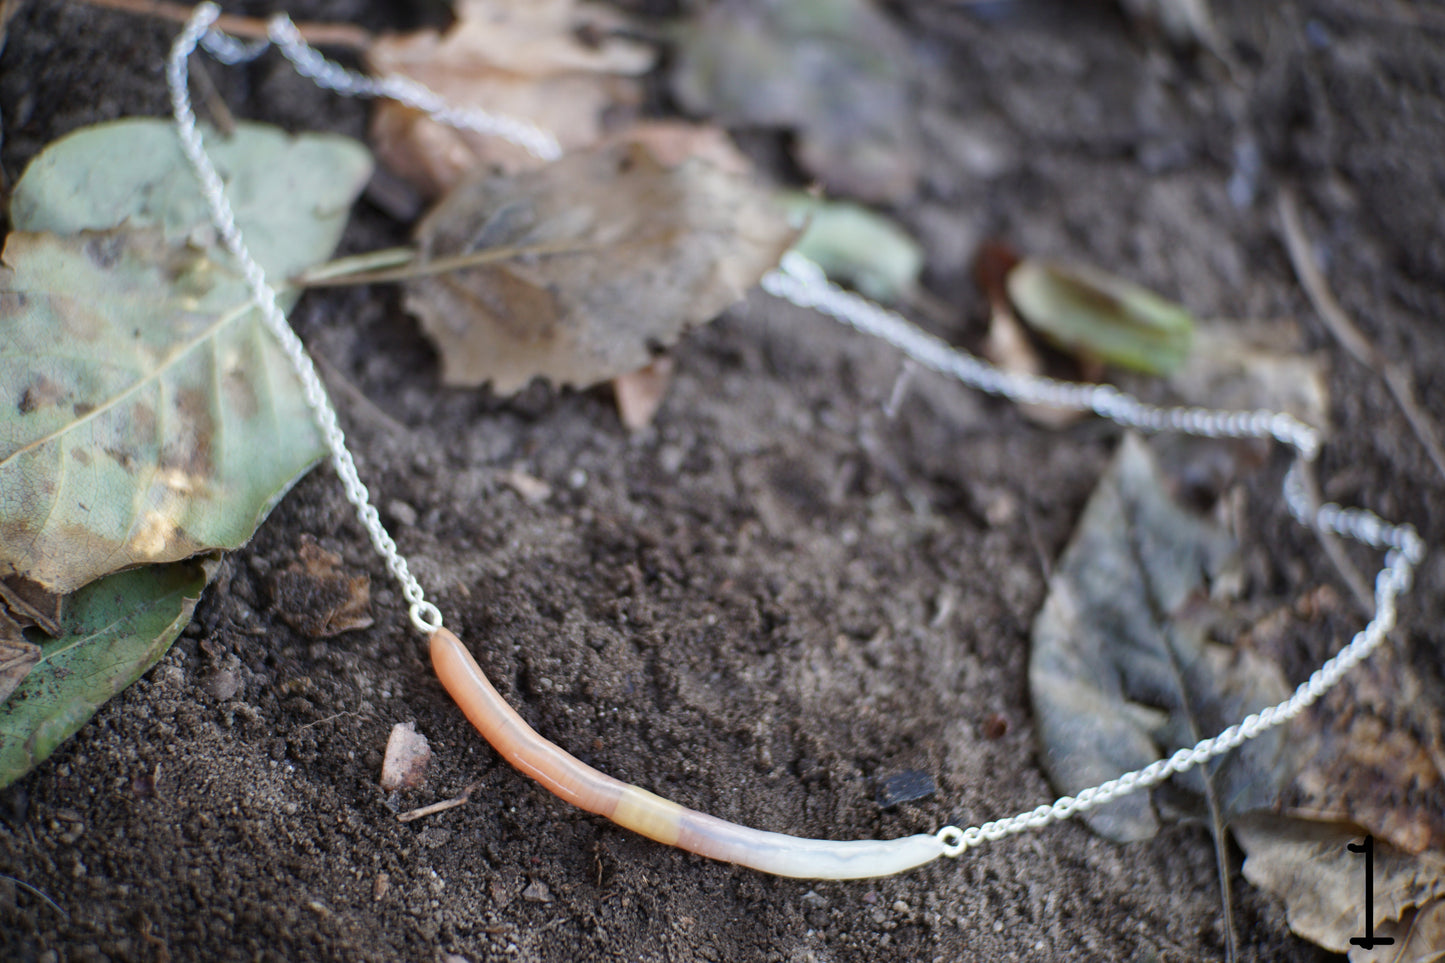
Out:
{"x": 17, "y": 656}
{"x": 835, "y": 71}
{"x": 1419, "y": 937}
{"x": 31, "y": 603}
{"x": 1123, "y": 671}
{"x": 639, "y": 393}
{"x": 1308, "y": 866}
{"x": 1248, "y": 364}
{"x": 146, "y": 414}
{"x": 519, "y": 58}
{"x": 314, "y": 596}
{"x": 640, "y": 254}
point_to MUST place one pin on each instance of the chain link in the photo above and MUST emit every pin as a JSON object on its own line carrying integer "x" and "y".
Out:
{"x": 803, "y": 283}
{"x": 310, "y": 63}
{"x": 424, "y": 615}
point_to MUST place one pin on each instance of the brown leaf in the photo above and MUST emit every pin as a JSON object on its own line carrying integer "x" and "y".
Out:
{"x": 1245, "y": 365}
{"x": 17, "y": 656}
{"x": 1321, "y": 882}
{"x": 315, "y": 598}
{"x": 1419, "y": 937}
{"x": 1357, "y": 755}
{"x": 1007, "y": 343}
{"x": 639, "y": 393}
{"x": 641, "y": 253}
{"x": 520, "y": 58}
{"x": 30, "y": 602}
{"x": 674, "y": 141}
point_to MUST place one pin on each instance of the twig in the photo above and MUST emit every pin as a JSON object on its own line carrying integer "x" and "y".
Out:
{"x": 442, "y": 806}
{"x": 1397, "y": 377}
{"x": 221, "y": 115}
{"x": 338, "y": 273}
{"x": 32, "y": 890}
{"x": 251, "y": 28}
{"x": 367, "y": 407}
{"x": 1335, "y": 550}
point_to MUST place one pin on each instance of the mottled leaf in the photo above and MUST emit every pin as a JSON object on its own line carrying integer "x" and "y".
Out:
{"x": 1099, "y": 316}
{"x": 113, "y": 631}
{"x": 17, "y": 656}
{"x": 614, "y": 256}
{"x": 835, "y": 71}
{"x": 145, "y": 413}
{"x": 291, "y": 195}
{"x": 1123, "y": 671}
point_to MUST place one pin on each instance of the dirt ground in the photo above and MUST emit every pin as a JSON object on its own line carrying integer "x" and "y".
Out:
{"x": 776, "y": 595}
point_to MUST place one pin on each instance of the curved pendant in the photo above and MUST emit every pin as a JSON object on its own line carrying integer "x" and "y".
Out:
{"x": 634, "y": 808}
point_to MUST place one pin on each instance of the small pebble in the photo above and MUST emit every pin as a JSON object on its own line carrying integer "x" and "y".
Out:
{"x": 537, "y": 892}
{"x": 403, "y": 514}
{"x": 407, "y": 755}
{"x": 223, "y": 684}
{"x": 910, "y": 785}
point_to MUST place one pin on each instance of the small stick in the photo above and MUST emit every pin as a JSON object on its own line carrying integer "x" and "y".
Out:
{"x": 251, "y": 28}
{"x": 1396, "y": 377}
{"x": 634, "y": 808}
{"x": 32, "y": 890}
{"x": 358, "y": 268}
{"x": 443, "y": 806}
{"x": 221, "y": 115}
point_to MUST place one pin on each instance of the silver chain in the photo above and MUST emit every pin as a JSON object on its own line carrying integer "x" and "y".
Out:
{"x": 424, "y": 615}
{"x": 803, "y": 283}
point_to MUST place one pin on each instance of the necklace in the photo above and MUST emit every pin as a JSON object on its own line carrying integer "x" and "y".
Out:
{"x": 803, "y": 283}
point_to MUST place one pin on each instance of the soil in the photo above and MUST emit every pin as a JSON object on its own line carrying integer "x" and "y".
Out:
{"x": 777, "y": 595}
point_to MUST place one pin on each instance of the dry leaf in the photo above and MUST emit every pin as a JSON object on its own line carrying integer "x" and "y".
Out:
{"x": 1321, "y": 882}
{"x": 1357, "y": 755}
{"x": 1007, "y": 344}
{"x": 519, "y": 58}
{"x": 316, "y": 598}
{"x": 836, "y": 71}
{"x": 407, "y": 756}
{"x": 17, "y": 656}
{"x": 1123, "y": 670}
{"x": 674, "y": 141}
{"x": 1419, "y": 937}
{"x": 639, "y": 393}
{"x": 32, "y": 603}
{"x": 1245, "y": 365}
{"x": 639, "y": 254}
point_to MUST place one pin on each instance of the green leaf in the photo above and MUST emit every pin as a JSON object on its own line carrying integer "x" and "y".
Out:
{"x": 291, "y": 195}
{"x": 856, "y": 246}
{"x": 146, "y": 414}
{"x": 113, "y": 631}
{"x": 1101, "y": 316}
